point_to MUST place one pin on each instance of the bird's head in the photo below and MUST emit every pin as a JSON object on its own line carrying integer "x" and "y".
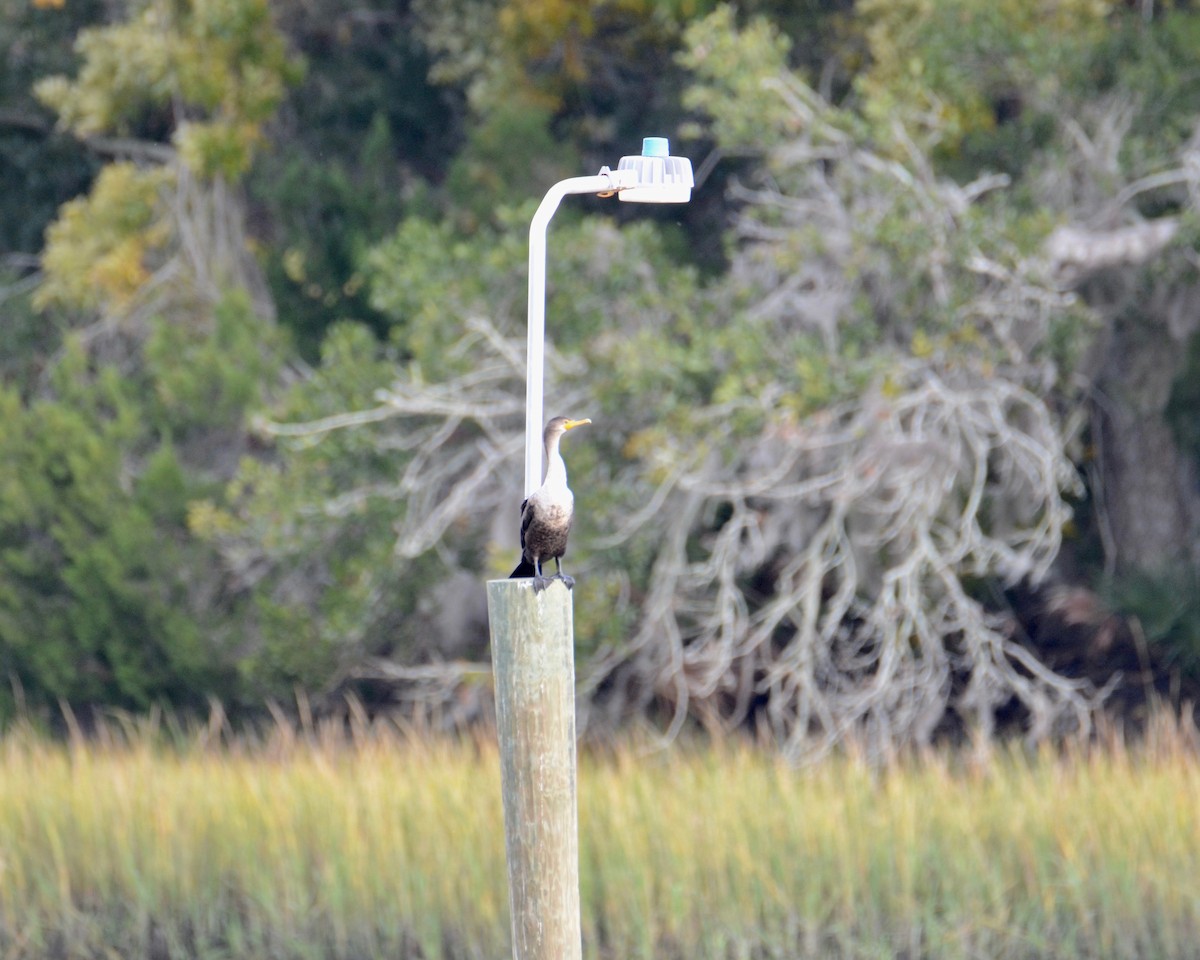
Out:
{"x": 560, "y": 425}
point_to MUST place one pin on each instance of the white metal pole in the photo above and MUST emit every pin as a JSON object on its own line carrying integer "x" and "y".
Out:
{"x": 533, "y": 656}
{"x": 535, "y": 369}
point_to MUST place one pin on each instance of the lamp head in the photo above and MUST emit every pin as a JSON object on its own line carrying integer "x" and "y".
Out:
{"x": 661, "y": 177}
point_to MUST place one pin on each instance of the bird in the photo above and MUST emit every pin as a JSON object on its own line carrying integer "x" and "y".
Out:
{"x": 546, "y": 514}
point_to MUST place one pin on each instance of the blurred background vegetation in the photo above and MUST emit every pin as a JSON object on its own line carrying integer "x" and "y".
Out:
{"x": 894, "y": 423}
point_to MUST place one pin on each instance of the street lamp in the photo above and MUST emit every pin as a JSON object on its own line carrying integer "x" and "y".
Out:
{"x": 653, "y": 177}
{"x": 532, "y": 633}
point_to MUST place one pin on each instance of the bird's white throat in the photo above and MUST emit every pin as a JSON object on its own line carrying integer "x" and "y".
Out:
{"x": 554, "y": 488}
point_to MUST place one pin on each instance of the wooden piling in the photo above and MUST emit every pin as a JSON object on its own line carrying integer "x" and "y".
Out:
{"x": 533, "y": 664}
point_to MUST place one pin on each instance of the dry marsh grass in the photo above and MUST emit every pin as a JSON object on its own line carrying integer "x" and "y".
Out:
{"x": 388, "y": 846}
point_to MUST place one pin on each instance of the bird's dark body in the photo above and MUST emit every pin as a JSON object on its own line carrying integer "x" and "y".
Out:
{"x": 544, "y": 535}
{"x": 546, "y": 514}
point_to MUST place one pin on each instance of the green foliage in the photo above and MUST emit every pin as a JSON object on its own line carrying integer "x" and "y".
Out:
{"x": 390, "y": 185}
{"x": 30, "y": 335}
{"x": 1152, "y": 63}
{"x": 428, "y": 278}
{"x": 552, "y": 81}
{"x": 357, "y": 141}
{"x": 327, "y": 510}
{"x": 984, "y": 85}
{"x": 565, "y": 38}
{"x": 206, "y": 375}
{"x": 746, "y": 108}
{"x": 365, "y": 68}
{"x": 951, "y": 68}
{"x": 509, "y": 153}
{"x": 36, "y": 39}
{"x": 319, "y": 519}
{"x": 108, "y": 597}
{"x": 92, "y": 609}
{"x": 223, "y": 59}
{"x": 326, "y": 212}
{"x": 105, "y": 596}
{"x": 667, "y": 355}
{"x": 901, "y": 298}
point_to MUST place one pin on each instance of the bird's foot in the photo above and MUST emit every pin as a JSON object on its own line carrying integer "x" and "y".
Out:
{"x": 540, "y": 583}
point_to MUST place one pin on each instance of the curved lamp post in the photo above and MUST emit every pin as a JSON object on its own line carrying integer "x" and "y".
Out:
{"x": 653, "y": 177}
{"x": 532, "y": 633}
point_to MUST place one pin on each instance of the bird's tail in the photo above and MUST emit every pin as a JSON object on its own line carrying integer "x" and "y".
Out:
{"x": 524, "y": 569}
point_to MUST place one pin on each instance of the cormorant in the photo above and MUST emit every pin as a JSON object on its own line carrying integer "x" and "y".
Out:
{"x": 546, "y": 513}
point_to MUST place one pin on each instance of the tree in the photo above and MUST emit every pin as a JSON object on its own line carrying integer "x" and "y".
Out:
{"x": 827, "y": 514}
{"x": 355, "y": 144}
{"x": 816, "y": 475}
{"x": 1099, "y": 122}
{"x": 39, "y": 167}
{"x": 107, "y": 598}
{"x": 931, "y": 357}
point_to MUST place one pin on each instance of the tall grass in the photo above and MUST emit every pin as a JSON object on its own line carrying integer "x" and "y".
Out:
{"x": 393, "y": 847}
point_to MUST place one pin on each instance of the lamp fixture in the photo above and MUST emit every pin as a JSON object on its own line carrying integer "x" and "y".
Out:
{"x": 661, "y": 178}
{"x": 652, "y": 177}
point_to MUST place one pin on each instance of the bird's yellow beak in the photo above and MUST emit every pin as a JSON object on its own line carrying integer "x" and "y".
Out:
{"x": 572, "y": 424}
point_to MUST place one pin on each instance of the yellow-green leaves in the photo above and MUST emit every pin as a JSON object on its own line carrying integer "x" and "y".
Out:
{"x": 740, "y": 77}
{"x": 124, "y": 69}
{"x": 100, "y": 250}
{"x": 218, "y": 148}
{"x": 214, "y": 71}
{"x": 556, "y": 44}
{"x": 950, "y": 68}
{"x": 536, "y": 28}
{"x": 221, "y": 64}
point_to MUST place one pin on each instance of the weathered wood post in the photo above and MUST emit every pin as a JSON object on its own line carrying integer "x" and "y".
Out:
{"x": 533, "y": 664}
